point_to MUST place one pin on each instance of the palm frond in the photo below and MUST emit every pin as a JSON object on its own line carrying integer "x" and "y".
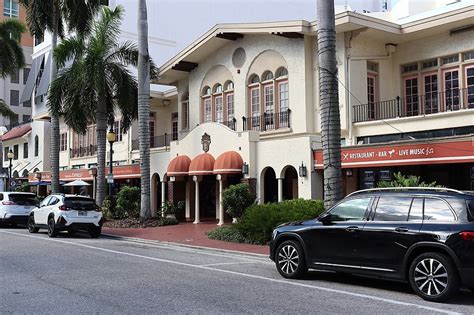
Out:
{"x": 11, "y": 53}
{"x": 69, "y": 49}
{"x": 5, "y": 110}
{"x": 79, "y": 15}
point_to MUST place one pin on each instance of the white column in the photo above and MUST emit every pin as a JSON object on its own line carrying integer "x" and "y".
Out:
{"x": 163, "y": 197}
{"x": 221, "y": 207}
{"x": 188, "y": 200}
{"x": 280, "y": 189}
{"x": 196, "y": 199}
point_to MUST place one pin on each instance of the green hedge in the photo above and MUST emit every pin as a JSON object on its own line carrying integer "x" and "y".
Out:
{"x": 226, "y": 233}
{"x": 258, "y": 221}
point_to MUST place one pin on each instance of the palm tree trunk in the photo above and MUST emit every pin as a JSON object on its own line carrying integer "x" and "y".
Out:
{"x": 54, "y": 120}
{"x": 329, "y": 102}
{"x": 101, "y": 120}
{"x": 144, "y": 109}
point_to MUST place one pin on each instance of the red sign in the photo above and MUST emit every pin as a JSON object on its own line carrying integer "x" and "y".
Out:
{"x": 406, "y": 154}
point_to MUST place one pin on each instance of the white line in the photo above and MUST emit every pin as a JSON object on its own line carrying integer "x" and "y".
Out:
{"x": 229, "y": 263}
{"x": 360, "y": 295}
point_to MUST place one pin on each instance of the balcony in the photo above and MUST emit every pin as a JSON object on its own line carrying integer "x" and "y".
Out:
{"x": 90, "y": 150}
{"x": 157, "y": 142}
{"x": 267, "y": 121}
{"x": 418, "y": 105}
{"x": 232, "y": 124}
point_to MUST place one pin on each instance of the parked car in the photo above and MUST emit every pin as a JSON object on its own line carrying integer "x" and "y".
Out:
{"x": 66, "y": 213}
{"x": 421, "y": 235}
{"x": 16, "y": 206}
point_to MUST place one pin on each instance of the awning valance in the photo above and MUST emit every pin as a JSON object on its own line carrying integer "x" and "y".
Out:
{"x": 179, "y": 166}
{"x": 229, "y": 162}
{"x": 203, "y": 164}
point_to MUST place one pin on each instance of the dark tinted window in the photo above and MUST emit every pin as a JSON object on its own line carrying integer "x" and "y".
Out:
{"x": 350, "y": 210}
{"x": 53, "y": 201}
{"x": 80, "y": 203}
{"x": 45, "y": 201}
{"x": 392, "y": 208}
{"x": 416, "y": 210}
{"x": 23, "y": 199}
{"x": 470, "y": 208}
{"x": 437, "y": 210}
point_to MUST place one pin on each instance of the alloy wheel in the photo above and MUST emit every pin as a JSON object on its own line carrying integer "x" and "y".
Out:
{"x": 288, "y": 259}
{"x": 431, "y": 277}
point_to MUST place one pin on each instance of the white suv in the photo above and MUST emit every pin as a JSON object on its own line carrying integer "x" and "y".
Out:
{"x": 66, "y": 213}
{"x": 16, "y": 206}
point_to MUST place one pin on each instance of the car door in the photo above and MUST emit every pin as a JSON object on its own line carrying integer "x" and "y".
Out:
{"x": 335, "y": 241}
{"x": 393, "y": 228}
{"x": 41, "y": 212}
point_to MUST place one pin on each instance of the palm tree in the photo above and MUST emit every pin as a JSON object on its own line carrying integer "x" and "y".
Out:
{"x": 144, "y": 109}
{"x": 11, "y": 54}
{"x": 53, "y": 16}
{"x": 97, "y": 84}
{"x": 329, "y": 102}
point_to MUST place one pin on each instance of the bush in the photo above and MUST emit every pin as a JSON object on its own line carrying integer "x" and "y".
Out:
{"x": 400, "y": 180}
{"x": 237, "y": 198}
{"x": 24, "y": 187}
{"x": 128, "y": 203}
{"x": 167, "y": 221}
{"x": 228, "y": 234}
{"x": 258, "y": 221}
{"x": 108, "y": 208}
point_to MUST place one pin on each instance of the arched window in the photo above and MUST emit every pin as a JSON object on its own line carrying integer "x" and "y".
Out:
{"x": 36, "y": 145}
{"x": 206, "y": 91}
{"x": 267, "y": 75}
{"x": 254, "y": 79}
{"x": 206, "y": 104}
{"x": 229, "y": 102}
{"x": 281, "y": 72}
{"x": 229, "y": 85}
{"x": 185, "y": 111}
{"x": 217, "y": 88}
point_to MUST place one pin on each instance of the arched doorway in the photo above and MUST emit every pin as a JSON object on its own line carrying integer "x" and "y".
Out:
{"x": 290, "y": 183}
{"x": 270, "y": 185}
{"x": 155, "y": 194}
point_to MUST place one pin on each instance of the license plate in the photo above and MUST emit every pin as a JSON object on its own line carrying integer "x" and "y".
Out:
{"x": 82, "y": 213}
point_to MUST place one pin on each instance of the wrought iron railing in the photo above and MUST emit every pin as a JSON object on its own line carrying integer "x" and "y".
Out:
{"x": 83, "y": 151}
{"x": 232, "y": 123}
{"x": 155, "y": 142}
{"x": 431, "y": 103}
{"x": 268, "y": 121}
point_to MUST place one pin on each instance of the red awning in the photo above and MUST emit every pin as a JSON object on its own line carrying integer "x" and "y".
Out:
{"x": 203, "y": 164}
{"x": 16, "y": 132}
{"x": 229, "y": 162}
{"x": 179, "y": 166}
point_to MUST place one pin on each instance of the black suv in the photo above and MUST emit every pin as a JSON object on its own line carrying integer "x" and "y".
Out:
{"x": 421, "y": 235}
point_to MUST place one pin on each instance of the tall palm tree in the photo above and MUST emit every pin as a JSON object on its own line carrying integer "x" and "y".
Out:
{"x": 53, "y": 16}
{"x": 144, "y": 109}
{"x": 97, "y": 84}
{"x": 329, "y": 102}
{"x": 11, "y": 54}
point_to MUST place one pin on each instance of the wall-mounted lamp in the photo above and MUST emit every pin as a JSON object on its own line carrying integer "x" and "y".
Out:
{"x": 166, "y": 102}
{"x": 245, "y": 168}
{"x": 348, "y": 173}
{"x": 302, "y": 171}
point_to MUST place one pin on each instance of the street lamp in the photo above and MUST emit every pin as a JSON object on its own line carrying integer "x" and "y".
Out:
{"x": 111, "y": 137}
{"x": 10, "y": 156}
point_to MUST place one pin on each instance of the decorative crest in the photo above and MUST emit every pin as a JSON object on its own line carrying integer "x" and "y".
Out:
{"x": 205, "y": 141}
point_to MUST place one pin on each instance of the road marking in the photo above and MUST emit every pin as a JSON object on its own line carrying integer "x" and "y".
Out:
{"x": 281, "y": 281}
{"x": 228, "y": 263}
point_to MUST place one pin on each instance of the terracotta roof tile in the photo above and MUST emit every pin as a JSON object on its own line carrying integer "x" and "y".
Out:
{"x": 16, "y": 132}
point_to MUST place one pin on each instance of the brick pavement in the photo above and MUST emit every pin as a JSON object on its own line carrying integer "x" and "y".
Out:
{"x": 186, "y": 233}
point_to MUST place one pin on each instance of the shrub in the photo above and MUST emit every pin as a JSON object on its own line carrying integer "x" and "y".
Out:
{"x": 128, "y": 203}
{"x": 24, "y": 187}
{"x": 258, "y": 221}
{"x": 228, "y": 234}
{"x": 400, "y": 180}
{"x": 237, "y": 198}
{"x": 108, "y": 208}
{"x": 167, "y": 221}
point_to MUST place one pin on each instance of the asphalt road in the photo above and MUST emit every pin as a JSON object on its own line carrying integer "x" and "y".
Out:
{"x": 69, "y": 275}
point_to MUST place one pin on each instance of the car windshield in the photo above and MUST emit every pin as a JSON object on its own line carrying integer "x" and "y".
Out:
{"x": 80, "y": 203}
{"x": 23, "y": 199}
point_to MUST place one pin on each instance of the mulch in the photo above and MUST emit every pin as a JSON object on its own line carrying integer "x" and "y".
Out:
{"x": 132, "y": 223}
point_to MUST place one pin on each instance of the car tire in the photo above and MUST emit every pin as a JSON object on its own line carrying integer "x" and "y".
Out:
{"x": 95, "y": 232}
{"x": 32, "y": 228}
{"x": 52, "y": 232}
{"x": 290, "y": 260}
{"x": 71, "y": 232}
{"x": 433, "y": 277}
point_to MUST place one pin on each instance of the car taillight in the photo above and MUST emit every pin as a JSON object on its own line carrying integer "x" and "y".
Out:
{"x": 467, "y": 236}
{"x": 8, "y": 203}
{"x": 63, "y": 208}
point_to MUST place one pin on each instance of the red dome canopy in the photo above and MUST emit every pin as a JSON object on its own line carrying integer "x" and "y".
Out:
{"x": 203, "y": 164}
{"x": 179, "y": 166}
{"x": 229, "y": 162}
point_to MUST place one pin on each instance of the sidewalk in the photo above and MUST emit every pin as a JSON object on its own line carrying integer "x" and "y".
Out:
{"x": 185, "y": 233}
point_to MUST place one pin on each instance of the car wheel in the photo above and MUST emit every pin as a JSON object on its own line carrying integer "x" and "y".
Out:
{"x": 52, "y": 232}
{"x": 31, "y": 225}
{"x": 434, "y": 277}
{"x": 95, "y": 232}
{"x": 290, "y": 260}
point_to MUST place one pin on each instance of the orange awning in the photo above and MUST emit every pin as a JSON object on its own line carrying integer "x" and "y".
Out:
{"x": 203, "y": 164}
{"x": 179, "y": 166}
{"x": 229, "y": 162}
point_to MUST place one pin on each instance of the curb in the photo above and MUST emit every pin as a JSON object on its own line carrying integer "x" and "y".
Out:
{"x": 197, "y": 247}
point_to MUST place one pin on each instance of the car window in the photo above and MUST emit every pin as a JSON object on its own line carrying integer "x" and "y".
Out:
{"x": 45, "y": 201}
{"x": 80, "y": 203}
{"x": 24, "y": 199}
{"x": 350, "y": 210}
{"x": 53, "y": 201}
{"x": 416, "y": 210}
{"x": 1, "y": 197}
{"x": 437, "y": 210}
{"x": 392, "y": 208}
{"x": 470, "y": 209}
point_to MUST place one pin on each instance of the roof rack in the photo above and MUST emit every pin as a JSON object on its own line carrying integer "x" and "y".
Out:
{"x": 439, "y": 189}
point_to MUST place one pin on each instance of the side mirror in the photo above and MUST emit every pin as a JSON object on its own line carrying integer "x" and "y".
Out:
{"x": 325, "y": 218}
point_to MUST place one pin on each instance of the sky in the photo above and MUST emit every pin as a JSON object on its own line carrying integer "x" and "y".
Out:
{"x": 183, "y": 21}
